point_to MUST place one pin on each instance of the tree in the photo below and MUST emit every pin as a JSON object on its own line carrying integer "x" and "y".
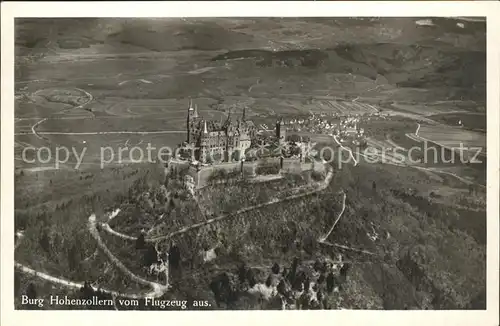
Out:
{"x": 307, "y": 284}
{"x": 73, "y": 258}
{"x": 86, "y": 290}
{"x": 282, "y": 287}
{"x": 276, "y": 268}
{"x": 150, "y": 255}
{"x": 330, "y": 282}
{"x": 318, "y": 266}
{"x": 44, "y": 242}
{"x": 31, "y": 291}
{"x": 174, "y": 256}
{"x": 140, "y": 243}
{"x": 269, "y": 281}
{"x": 31, "y": 294}
{"x": 298, "y": 281}
{"x": 251, "y": 278}
{"x": 344, "y": 269}
{"x": 310, "y": 244}
{"x": 292, "y": 274}
{"x": 319, "y": 295}
{"x": 242, "y": 272}
{"x": 223, "y": 289}
{"x": 236, "y": 155}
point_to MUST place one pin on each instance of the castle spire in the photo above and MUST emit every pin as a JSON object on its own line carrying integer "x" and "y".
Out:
{"x": 205, "y": 130}
{"x": 195, "y": 114}
{"x": 228, "y": 120}
{"x": 244, "y": 113}
{"x": 189, "y": 122}
{"x": 190, "y": 105}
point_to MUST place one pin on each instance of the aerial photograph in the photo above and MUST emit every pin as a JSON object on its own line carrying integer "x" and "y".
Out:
{"x": 281, "y": 163}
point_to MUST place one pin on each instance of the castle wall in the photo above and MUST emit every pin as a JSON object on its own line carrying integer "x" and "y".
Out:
{"x": 318, "y": 167}
{"x": 249, "y": 169}
{"x": 292, "y": 166}
{"x": 203, "y": 174}
{"x": 194, "y": 173}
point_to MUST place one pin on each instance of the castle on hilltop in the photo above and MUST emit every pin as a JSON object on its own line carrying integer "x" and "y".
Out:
{"x": 223, "y": 141}
{"x": 237, "y": 146}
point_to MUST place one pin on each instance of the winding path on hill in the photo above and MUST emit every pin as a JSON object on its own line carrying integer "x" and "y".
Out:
{"x": 322, "y": 239}
{"x": 347, "y": 248}
{"x": 158, "y": 289}
{"x": 78, "y": 286}
{"x": 323, "y": 185}
{"x": 345, "y": 148}
{"x": 105, "y": 226}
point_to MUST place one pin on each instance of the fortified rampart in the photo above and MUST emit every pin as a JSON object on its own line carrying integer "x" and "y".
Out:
{"x": 200, "y": 175}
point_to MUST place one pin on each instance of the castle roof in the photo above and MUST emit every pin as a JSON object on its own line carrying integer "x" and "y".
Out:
{"x": 208, "y": 126}
{"x": 249, "y": 123}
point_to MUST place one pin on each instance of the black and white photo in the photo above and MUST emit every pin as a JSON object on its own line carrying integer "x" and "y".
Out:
{"x": 251, "y": 163}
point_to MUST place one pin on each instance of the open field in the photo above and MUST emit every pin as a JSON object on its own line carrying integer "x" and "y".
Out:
{"x": 92, "y": 149}
{"x": 112, "y": 114}
{"x": 471, "y": 121}
{"x": 452, "y": 137}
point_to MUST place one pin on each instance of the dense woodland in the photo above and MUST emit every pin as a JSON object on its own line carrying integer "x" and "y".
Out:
{"x": 426, "y": 255}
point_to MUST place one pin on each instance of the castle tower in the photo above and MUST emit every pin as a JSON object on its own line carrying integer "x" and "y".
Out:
{"x": 280, "y": 131}
{"x": 229, "y": 117}
{"x": 205, "y": 130}
{"x": 195, "y": 114}
{"x": 203, "y": 143}
{"x": 228, "y": 125}
{"x": 190, "y": 118}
